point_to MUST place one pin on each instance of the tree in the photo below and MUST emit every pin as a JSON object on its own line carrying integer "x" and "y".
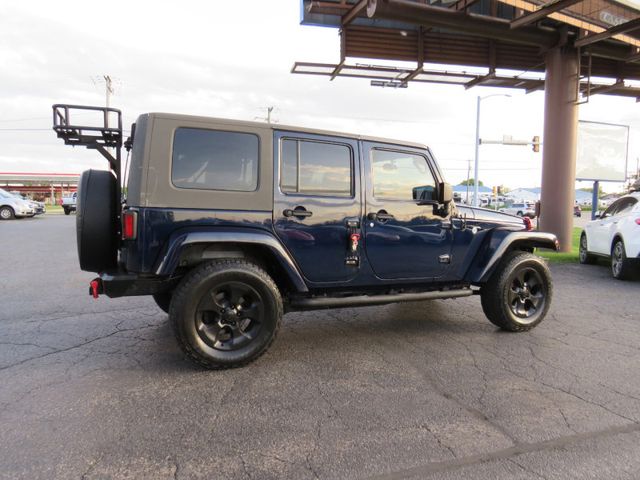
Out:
{"x": 471, "y": 181}
{"x": 590, "y": 190}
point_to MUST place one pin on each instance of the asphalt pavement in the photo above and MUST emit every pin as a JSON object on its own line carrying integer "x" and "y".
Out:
{"x": 99, "y": 389}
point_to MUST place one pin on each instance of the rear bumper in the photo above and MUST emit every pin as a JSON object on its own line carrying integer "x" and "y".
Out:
{"x": 119, "y": 284}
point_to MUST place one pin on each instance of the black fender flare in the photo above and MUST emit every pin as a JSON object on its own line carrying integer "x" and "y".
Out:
{"x": 181, "y": 240}
{"x": 498, "y": 243}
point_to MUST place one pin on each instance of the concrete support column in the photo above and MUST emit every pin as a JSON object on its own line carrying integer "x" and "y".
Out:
{"x": 559, "y": 148}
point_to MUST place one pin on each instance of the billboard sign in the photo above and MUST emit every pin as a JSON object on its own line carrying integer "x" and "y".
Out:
{"x": 602, "y": 152}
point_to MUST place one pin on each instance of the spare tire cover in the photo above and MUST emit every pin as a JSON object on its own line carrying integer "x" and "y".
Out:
{"x": 96, "y": 221}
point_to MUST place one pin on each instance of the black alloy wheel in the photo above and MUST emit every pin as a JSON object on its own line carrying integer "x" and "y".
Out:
{"x": 527, "y": 294}
{"x": 518, "y": 294}
{"x": 226, "y": 313}
{"x": 230, "y": 316}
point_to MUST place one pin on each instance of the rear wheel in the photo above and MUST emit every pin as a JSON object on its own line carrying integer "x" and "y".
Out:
{"x": 6, "y": 213}
{"x": 226, "y": 314}
{"x": 66, "y": 210}
{"x": 585, "y": 256}
{"x": 621, "y": 267}
{"x": 518, "y": 294}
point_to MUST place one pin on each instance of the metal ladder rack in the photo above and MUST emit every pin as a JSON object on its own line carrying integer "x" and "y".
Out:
{"x": 94, "y": 137}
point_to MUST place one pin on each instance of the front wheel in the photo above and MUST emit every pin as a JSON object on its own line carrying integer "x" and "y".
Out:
{"x": 6, "y": 213}
{"x": 518, "y": 295}
{"x": 226, "y": 314}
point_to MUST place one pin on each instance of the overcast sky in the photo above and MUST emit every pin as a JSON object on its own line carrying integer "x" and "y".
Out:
{"x": 233, "y": 59}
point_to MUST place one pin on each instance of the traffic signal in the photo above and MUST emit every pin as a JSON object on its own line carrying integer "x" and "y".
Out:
{"x": 535, "y": 143}
{"x": 499, "y": 189}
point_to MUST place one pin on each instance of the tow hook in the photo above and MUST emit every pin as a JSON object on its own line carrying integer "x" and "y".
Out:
{"x": 94, "y": 288}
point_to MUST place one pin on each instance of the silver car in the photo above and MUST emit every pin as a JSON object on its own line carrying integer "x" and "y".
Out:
{"x": 11, "y": 207}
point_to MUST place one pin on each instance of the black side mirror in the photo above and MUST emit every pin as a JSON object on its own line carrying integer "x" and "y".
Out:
{"x": 445, "y": 193}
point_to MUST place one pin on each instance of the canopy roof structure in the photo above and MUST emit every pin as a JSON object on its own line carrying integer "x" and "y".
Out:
{"x": 499, "y": 43}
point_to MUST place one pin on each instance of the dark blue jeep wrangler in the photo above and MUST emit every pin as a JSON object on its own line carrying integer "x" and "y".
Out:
{"x": 231, "y": 224}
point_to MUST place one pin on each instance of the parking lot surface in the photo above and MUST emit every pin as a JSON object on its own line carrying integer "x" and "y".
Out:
{"x": 99, "y": 389}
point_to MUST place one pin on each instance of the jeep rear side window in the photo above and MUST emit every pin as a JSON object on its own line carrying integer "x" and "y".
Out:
{"x": 316, "y": 168}
{"x": 215, "y": 160}
{"x": 401, "y": 176}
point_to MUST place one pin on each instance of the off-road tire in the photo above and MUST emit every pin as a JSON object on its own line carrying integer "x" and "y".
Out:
{"x": 621, "y": 266}
{"x": 204, "y": 283}
{"x": 7, "y": 213}
{"x": 163, "y": 300}
{"x": 585, "y": 257}
{"x": 66, "y": 210}
{"x": 496, "y": 293}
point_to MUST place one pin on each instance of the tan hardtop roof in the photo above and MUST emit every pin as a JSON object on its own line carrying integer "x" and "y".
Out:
{"x": 314, "y": 131}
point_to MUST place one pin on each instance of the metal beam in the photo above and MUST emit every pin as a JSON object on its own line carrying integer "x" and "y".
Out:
{"x": 606, "y": 88}
{"x": 541, "y": 13}
{"x": 462, "y": 4}
{"x": 353, "y": 13}
{"x": 479, "y": 80}
{"x": 472, "y": 24}
{"x": 633, "y": 58}
{"x": 616, "y": 30}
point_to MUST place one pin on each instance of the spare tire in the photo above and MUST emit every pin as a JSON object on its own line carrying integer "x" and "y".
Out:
{"x": 96, "y": 221}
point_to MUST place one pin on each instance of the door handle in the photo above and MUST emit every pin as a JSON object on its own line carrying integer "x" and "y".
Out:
{"x": 297, "y": 212}
{"x": 381, "y": 216}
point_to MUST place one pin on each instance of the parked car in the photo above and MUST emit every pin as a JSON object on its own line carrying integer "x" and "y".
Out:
{"x": 230, "y": 224}
{"x": 69, "y": 203}
{"x": 38, "y": 207}
{"x": 522, "y": 209}
{"x": 12, "y": 207}
{"x": 615, "y": 234}
{"x": 577, "y": 211}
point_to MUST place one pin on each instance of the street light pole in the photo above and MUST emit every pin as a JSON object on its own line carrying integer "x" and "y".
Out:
{"x": 475, "y": 173}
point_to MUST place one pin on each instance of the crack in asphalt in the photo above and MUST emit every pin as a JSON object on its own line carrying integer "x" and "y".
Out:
{"x": 505, "y": 453}
{"x": 525, "y": 469}
{"x": 80, "y": 345}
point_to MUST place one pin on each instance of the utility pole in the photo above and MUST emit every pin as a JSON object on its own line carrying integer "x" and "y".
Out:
{"x": 108, "y": 83}
{"x": 268, "y": 117}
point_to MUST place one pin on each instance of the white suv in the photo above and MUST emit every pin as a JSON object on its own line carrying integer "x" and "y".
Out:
{"x": 520, "y": 209}
{"x": 615, "y": 234}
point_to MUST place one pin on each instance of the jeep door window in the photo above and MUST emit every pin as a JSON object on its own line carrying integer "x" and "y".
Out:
{"x": 401, "y": 176}
{"x": 316, "y": 168}
{"x": 215, "y": 160}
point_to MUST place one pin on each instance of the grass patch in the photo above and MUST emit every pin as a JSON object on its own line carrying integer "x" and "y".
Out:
{"x": 557, "y": 257}
{"x": 54, "y": 209}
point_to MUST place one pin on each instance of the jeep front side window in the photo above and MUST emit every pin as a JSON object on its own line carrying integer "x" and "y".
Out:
{"x": 215, "y": 160}
{"x": 401, "y": 176}
{"x": 316, "y": 168}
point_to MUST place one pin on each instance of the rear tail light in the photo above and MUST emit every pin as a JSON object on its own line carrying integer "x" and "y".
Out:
{"x": 129, "y": 225}
{"x": 638, "y": 221}
{"x": 527, "y": 223}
